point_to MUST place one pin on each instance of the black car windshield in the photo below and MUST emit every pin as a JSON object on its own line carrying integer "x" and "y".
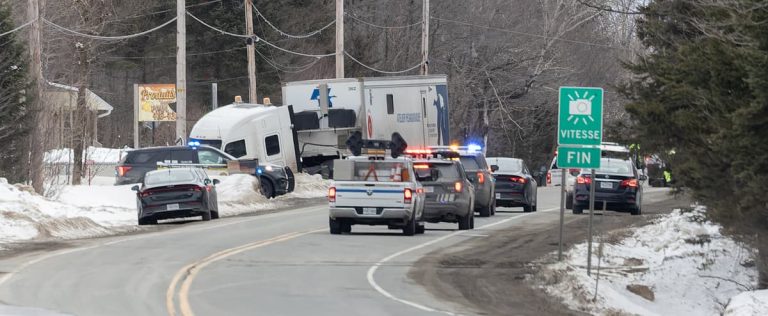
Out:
{"x": 169, "y": 176}
{"x": 614, "y": 166}
{"x": 509, "y": 165}
{"x": 446, "y": 172}
{"x": 470, "y": 163}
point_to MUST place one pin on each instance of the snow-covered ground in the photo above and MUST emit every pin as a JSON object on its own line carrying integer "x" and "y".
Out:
{"x": 679, "y": 265}
{"x": 104, "y": 209}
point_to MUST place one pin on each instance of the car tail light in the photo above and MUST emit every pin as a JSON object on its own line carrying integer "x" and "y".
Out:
{"x": 332, "y": 194}
{"x": 518, "y": 180}
{"x": 583, "y": 180}
{"x": 480, "y": 177}
{"x": 146, "y": 193}
{"x": 419, "y": 191}
{"x": 407, "y": 195}
{"x": 122, "y": 170}
{"x": 632, "y": 183}
{"x": 458, "y": 186}
{"x": 549, "y": 177}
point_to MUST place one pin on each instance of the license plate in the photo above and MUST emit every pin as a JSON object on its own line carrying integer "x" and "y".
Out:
{"x": 498, "y": 195}
{"x": 429, "y": 189}
{"x": 172, "y": 207}
{"x": 606, "y": 185}
{"x": 369, "y": 211}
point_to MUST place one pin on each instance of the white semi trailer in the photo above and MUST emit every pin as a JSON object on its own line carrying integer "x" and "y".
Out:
{"x": 319, "y": 115}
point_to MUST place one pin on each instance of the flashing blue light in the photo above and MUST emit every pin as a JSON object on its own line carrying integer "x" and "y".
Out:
{"x": 194, "y": 143}
{"x": 474, "y": 148}
{"x": 259, "y": 171}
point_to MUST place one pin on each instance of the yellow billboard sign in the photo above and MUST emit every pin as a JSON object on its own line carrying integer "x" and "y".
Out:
{"x": 154, "y": 102}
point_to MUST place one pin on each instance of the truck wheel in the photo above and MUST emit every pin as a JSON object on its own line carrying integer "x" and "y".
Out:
{"x": 578, "y": 209}
{"x": 493, "y": 207}
{"x": 635, "y": 210}
{"x": 569, "y": 201}
{"x": 214, "y": 214}
{"x": 472, "y": 221}
{"x": 420, "y": 229}
{"x": 410, "y": 227}
{"x": 267, "y": 188}
{"x": 527, "y": 208}
{"x": 207, "y": 216}
{"x": 346, "y": 228}
{"x": 335, "y": 226}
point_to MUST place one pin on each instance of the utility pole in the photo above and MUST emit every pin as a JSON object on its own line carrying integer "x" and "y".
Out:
{"x": 425, "y": 39}
{"x": 339, "y": 38}
{"x": 181, "y": 71}
{"x": 252, "y": 98}
{"x": 37, "y": 142}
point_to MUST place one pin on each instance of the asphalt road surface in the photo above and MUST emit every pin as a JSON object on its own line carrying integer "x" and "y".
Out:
{"x": 284, "y": 263}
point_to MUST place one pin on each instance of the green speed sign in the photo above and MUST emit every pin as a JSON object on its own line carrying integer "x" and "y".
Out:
{"x": 580, "y": 120}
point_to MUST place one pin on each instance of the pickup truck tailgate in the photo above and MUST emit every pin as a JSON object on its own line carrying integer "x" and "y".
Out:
{"x": 366, "y": 194}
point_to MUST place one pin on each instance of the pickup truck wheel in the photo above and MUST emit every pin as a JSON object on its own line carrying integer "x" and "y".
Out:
{"x": 569, "y": 201}
{"x": 410, "y": 227}
{"x": 472, "y": 221}
{"x": 207, "y": 216}
{"x": 493, "y": 207}
{"x": 527, "y": 208}
{"x": 214, "y": 214}
{"x": 335, "y": 226}
{"x": 147, "y": 221}
{"x": 578, "y": 209}
{"x": 420, "y": 229}
{"x": 346, "y": 228}
{"x": 267, "y": 188}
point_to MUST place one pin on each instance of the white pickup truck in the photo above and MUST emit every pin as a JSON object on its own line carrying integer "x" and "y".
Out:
{"x": 371, "y": 191}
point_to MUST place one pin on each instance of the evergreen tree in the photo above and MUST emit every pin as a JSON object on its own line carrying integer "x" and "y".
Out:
{"x": 702, "y": 93}
{"x": 15, "y": 119}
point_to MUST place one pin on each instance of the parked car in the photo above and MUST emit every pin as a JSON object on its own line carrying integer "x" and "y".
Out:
{"x": 176, "y": 193}
{"x": 477, "y": 170}
{"x": 375, "y": 192}
{"x": 274, "y": 180}
{"x": 617, "y": 183}
{"x": 449, "y": 195}
{"x": 515, "y": 185}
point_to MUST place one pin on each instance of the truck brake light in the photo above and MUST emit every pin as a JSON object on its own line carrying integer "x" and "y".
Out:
{"x": 458, "y": 186}
{"x": 480, "y": 177}
{"x": 407, "y": 195}
{"x": 583, "y": 180}
{"x": 549, "y": 177}
{"x": 518, "y": 179}
{"x": 332, "y": 194}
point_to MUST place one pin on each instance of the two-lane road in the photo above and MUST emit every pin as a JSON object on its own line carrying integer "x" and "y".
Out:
{"x": 278, "y": 264}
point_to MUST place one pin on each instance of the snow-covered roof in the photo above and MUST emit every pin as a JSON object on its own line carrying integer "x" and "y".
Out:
{"x": 66, "y": 96}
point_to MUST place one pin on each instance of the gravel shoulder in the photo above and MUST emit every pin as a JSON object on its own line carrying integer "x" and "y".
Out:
{"x": 495, "y": 275}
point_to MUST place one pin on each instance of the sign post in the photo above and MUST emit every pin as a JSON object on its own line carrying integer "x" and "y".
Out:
{"x": 579, "y": 135}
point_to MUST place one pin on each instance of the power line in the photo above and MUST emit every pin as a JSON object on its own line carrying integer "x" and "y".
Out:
{"x": 162, "y": 11}
{"x": 286, "y": 68}
{"x": 174, "y": 56}
{"x": 381, "y": 26}
{"x": 310, "y": 34}
{"x": 18, "y": 28}
{"x": 528, "y": 34}
{"x": 379, "y": 70}
{"x": 257, "y": 39}
{"x": 107, "y": 38}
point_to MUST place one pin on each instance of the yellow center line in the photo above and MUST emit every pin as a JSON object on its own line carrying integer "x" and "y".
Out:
{"x": 190, "y": 271}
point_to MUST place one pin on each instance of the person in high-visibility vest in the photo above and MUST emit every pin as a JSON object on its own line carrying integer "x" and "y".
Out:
{"x": 667, "y": 177}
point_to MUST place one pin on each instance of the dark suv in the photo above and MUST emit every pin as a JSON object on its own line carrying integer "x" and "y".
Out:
{"x": 478, "y": 172}
{"x": 274, "y": 180}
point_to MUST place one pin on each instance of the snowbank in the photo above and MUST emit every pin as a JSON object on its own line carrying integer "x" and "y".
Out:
{"x": 87, "y": 211}
{"x": 753, "y": 303}
{"x": 25, "y": 215}
{"x": 239, "y": 193}
{"x": 97, "y": 154}
{"x": 679, "y": 265}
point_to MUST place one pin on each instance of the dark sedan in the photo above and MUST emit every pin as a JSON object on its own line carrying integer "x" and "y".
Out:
{"x": 515, "y": 185}
{"x": 617, "y": 183}
{"x": 176, "y": 193}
